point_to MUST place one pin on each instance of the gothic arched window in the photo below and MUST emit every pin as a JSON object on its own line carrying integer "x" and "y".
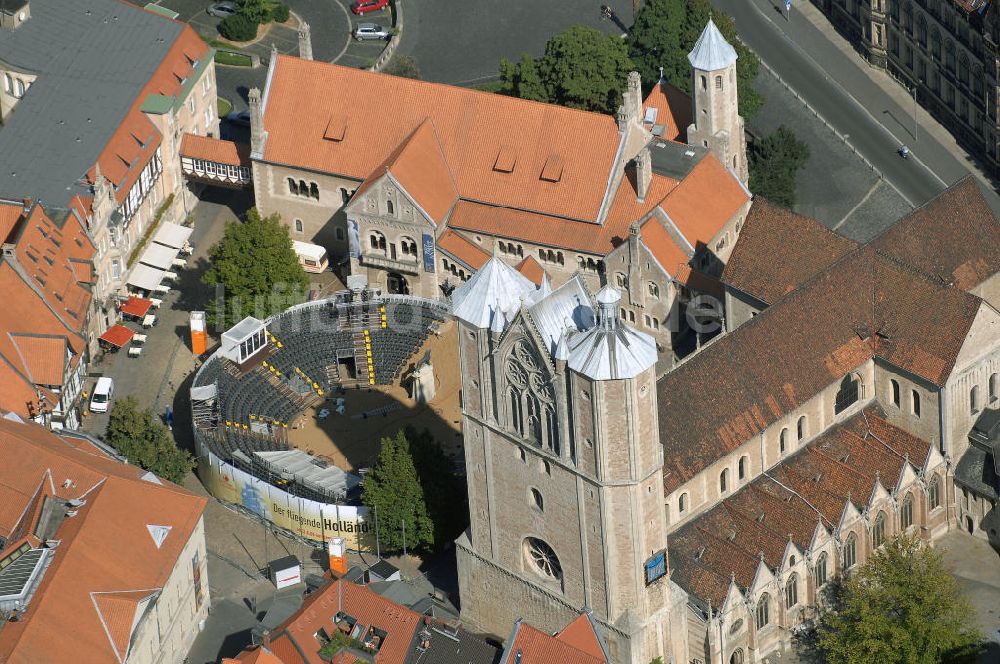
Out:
{"x": 906, "y": 512}
{"x": 878, "y": 530}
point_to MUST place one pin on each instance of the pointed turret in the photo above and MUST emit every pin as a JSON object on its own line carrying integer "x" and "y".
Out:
{"x": 492, "y": 297}
{"x": 712, "y": 51}
{"x": 611, "y": 350}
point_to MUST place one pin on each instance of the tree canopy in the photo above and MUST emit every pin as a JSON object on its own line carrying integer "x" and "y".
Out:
{"x": 901, "y": 607}
{"x": 664, "y": 33}
{"x": 775, "y": 161}
{"x": 256, "y": 266}
{"x": 392, "y": 490}
{"x": 414, "y": 481}
{"x": 581, "y": 68}
{"x": 139, "y": 436}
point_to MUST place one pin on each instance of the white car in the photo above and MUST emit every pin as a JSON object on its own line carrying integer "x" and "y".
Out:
{"x": 365, "y": 31}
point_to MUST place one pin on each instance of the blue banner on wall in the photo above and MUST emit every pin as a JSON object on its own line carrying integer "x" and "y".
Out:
{"x": 352, "y": 237}
{"x": 428, "y": 252}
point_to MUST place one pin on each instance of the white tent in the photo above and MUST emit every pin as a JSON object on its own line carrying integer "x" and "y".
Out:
{"x": 145, "y": 277}
{"x": 159, "y": 255}
{"x": 172, "y": 235}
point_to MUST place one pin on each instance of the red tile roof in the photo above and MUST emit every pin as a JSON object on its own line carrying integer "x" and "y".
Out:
{"x": 215, "y": 149}
{"x": 673, "y": 110}
{"x": 755, "y": 523}
{"x": 953, "y": 237}
{"x": 531, "y": 269}
{"x": 752, "y": 267}
{"x": 797, "y": 347}
{"x": 105, "y": 547}
{"x": 367, "y": 607}
{"x": 372, "y": 113}
{"x": 537, "y": 647}
{"x": 581, "y": 635}
{"x": 419, "y": 166}
{"x": 463, "y": 249}
{"x": 44, "y": 358}
{"x": 702, "y": 203}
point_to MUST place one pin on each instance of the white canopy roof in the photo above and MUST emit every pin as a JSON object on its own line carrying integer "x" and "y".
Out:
{"x": 158, "y": 255}
{"x": 145, "y": 277}
{"x": 309, "y": 469}
{"x": 172, "y": 235}
{"x": 311, "y": 251}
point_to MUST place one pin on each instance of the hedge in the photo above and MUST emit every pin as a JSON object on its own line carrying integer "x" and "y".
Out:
{"x": 280, "y": 13}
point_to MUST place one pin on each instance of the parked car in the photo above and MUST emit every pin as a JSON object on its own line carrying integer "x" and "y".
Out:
{"x": 370, "y": 31}
{"x": 222, "y": 9}
{"x": 241, "y": 118}
{"x": 365, "y": 6}
{"x": 103, "y": 392}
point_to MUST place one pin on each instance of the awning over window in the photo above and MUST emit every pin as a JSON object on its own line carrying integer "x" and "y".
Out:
{"x": 159, "y": 255}
{"x": 172, "y": 235}
{"x": 145, "y": 277}
{"x": 136, "y": 307}
{"x": 117, "y": 336}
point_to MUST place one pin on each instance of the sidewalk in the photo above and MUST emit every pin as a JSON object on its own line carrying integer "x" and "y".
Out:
{"x": 890, "y": 86}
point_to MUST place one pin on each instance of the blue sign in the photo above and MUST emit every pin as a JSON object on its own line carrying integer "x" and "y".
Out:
{"x": 428, "y": 252}
{"x": 353, "y": 239}
{"x": 788, "y": 5}
{"x": 656, "y": 567}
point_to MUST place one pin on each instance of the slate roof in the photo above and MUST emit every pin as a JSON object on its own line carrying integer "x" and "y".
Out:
{"x": 809, "y": 488}
{"x": 807, "y": 247}
{"x": 92, "y": 60}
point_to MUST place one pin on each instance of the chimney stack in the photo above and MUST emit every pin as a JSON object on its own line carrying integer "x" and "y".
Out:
{"x": 305, "y": 42}
{"x": 643, "y": 173}
{"x": 256, "y": 122}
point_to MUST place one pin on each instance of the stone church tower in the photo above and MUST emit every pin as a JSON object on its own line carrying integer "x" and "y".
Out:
{"x": 564, "y": 465}
{"x": 717, "y": 122}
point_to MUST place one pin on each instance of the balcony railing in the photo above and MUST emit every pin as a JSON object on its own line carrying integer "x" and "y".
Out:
{"x": 380, "y": 261}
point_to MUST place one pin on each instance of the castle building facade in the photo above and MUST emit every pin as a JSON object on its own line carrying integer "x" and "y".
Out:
{"x": 418, "y": 184}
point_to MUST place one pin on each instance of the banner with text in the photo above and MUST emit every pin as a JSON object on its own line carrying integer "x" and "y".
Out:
{"x": 308, "y": 518}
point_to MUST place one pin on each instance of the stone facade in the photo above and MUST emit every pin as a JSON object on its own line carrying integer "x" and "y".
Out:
{"x": 939, "y": 48}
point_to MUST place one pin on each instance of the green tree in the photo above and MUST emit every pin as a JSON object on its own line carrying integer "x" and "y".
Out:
{"x": 901, "y": 607}
{"x": 581, "y": 68}
{"x": 280, "y": 13}
{"x": 664, "y": 33}
{"x": 139, "y": 436}
{"x": 775, "y": 161}
{"x": 392, "y": 490}
{"x": 257, "y": 269}
{"x": 257, "y": 11}
{"x": 445, "y": 492}
{"x": 238, "y": 28}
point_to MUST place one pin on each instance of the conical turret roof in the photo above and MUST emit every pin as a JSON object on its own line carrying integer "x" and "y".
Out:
{"x": 711, "y": 51}
{"x": 493, "y": 295}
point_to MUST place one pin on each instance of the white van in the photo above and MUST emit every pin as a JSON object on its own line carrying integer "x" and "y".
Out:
{"x": 101, "y": 397}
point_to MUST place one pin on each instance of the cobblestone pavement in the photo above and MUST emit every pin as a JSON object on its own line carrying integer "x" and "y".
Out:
{"x": 976, "y": 565}
{"x": 835, "y": 186}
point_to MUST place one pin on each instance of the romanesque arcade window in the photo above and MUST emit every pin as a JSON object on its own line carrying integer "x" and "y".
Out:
{"x": 850, "y": 390}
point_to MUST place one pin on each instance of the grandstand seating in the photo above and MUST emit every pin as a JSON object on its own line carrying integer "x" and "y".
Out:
{"x": 306, "y": 342}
